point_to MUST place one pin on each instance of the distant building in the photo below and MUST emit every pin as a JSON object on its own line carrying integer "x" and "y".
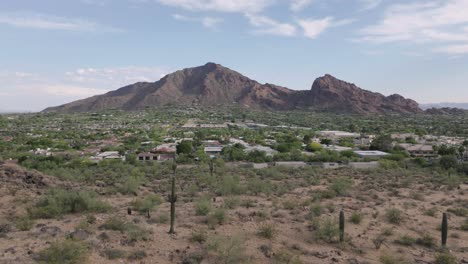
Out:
{"x": 419, "y": 150}
{"x": 291, "y": 164}
{"x": 370, "y": 154}
{"x": 147, "y": 156}
{"x": 213, "y": 151}
{"x": 108, "y": 155}
{"x": 336, "y": 148}
{"x": 338, "y": 134}
{"x": 168, "y": 148}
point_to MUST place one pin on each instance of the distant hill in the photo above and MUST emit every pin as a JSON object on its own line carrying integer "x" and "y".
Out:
{"x": 445, "y": 105}
{"x": 215, "y": 85}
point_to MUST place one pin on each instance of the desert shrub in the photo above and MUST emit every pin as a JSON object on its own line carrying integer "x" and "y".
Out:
{"x": 387, "y": 232}
{"x": 248, "y": 203}
{"x": 203, "y": 206}
{"x": 133, "y": 231}
{"x": 315, "y": 210}
{"x": 355, "y": 218}
{"x": 267, "y": 231}
{"x": 64, "y": 252}
{"x": 130, "y": 186}
{"x": 290, "y": 204}
{"x": 231, "y": 202}
{"x": 4, "y": 229}
{"x": 406, "y": 240}
{"x": 115, "y": 224}
{"x": 114, "y": 254}
{"x": 284, "y": 256}
{"x": 394, "y": 259}
{"x": 341, "y": 185}
{"x": 59, "y": 202}
{"x": 228, "y": 250}
{"x": 327, "y": 231}
{"x": 464, "y": 225}
{"x": 445, "y": 258}
{"x": 394, "y": 216}
{"x": 146, "y": 204}
{"x": 431, "y": 212}
{"x": 199, "y": 236}
{"x": 459, "y": 211}
{"x": 162, "y": 218}
{"x": 137, "y": 255}
{"x": 137, "y": 233}
{"x": 24, "y": 223}
{"x": 220, "y": 216}
{"x": 426, "y": 240}
{"x": 256, "y": 186}
{"x": 230, "y": 185}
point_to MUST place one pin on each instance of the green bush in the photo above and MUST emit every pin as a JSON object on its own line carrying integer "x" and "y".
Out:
{"x": 406, "y": 240}
{"x": 394, "y": 259}
{"x": 203, "y": 206}
{"x": 137, "y": 255}
{"x": 231, "y": 203}
{"x": 199, "y": 236}
{"x": 59, "y": 202}
{"x": 355, "y": 218}
{"x": 341, "y": 185}
{"x": 394, "y": 216}
{"x": 146, "y": 204}
{"x": 24, "y": 223}
{"x": 464, "y": 225}
{"x": 445, "y": 258}
{"x": 115, "y": 224}
{"x": 327, "y": 230}
{"x": 426, "y": 240}
{"x": 228, "y": 250}
{"x": 113, "y": 254}
{"x": 130, "y": 186}
{"x": 267, "y": 231}
{"x": 64, "y": 252}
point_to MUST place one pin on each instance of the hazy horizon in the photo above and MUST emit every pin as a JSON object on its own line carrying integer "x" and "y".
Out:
{"x": 55, "y": 52}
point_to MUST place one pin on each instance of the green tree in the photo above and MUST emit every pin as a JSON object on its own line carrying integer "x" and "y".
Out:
{"x": 184, "y": 147}
{"x": 314, "y": 147}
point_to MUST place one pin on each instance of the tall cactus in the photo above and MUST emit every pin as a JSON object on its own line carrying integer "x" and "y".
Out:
{"x": 342, "y": 225}
{"x": 211, "y": 167}
{"x": 172, "y": 198}
{"x": 444, "y": 230}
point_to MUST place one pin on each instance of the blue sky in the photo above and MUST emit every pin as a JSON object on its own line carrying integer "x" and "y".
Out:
{"x": 56, "y": 51}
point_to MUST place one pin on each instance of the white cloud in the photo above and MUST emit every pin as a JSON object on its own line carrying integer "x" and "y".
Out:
{"x": 242, "y": 6}
{"x": 208, "y": 22}
{"x": 417, "y": 22}
{"x": 48, "y": 22}
{"x": 112, "y": 78}
{"x": 268, "y": 26}
{"x": 314, "y": 27}
{"x": 299, "y": 5}
{"x": 41, "y": 91}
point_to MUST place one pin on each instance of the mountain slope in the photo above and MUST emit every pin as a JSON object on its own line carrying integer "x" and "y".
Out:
{"x": 215, "y": 85}
{"x": 330, "y": 94}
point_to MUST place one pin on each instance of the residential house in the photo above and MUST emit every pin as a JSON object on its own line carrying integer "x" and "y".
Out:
{"x": 372, "y": 154}
{"x": 147, "y": 156}
{"x": 108, "y": 155}
{"x": 419, "y": 150}
{"x": 213, "y": 151}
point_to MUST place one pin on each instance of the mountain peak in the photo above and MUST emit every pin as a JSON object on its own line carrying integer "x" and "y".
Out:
{"x": 215, "y": 85}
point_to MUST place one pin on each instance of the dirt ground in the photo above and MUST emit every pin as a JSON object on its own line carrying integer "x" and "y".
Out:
{"x": 294, "y": 228}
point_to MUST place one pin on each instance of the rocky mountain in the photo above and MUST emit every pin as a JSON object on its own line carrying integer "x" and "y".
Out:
{"x": 215, "y": 85}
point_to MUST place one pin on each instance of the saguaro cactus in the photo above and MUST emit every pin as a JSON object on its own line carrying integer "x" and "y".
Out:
{"x": 342, "y": 225}
{"x": 444, "y": 229}
{"x": 172, "y": 198}
{"x": 211, "y": 167}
